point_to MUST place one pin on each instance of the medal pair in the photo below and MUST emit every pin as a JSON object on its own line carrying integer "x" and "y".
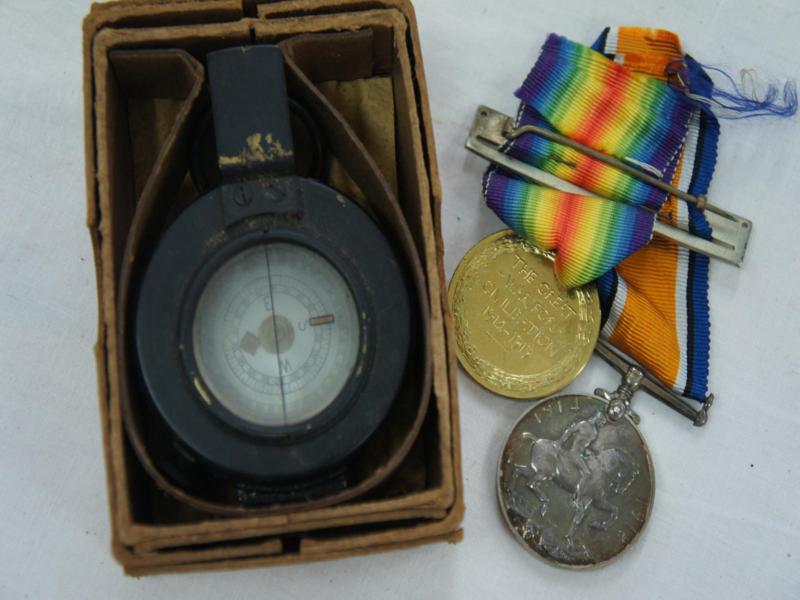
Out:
{"x": 602, "y": 178}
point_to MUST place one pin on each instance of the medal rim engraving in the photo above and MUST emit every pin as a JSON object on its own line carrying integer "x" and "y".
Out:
{"x": 502, "y": 504}
{"x": 494, "y": 377}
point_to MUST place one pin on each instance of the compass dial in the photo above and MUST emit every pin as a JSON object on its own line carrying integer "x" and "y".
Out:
{"x": 276, "y": 334}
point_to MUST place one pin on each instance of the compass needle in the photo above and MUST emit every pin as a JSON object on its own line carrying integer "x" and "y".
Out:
{"x": 321, "y": 320}
{"x": 275, "y": 334}
{"x": 249, "y": 343}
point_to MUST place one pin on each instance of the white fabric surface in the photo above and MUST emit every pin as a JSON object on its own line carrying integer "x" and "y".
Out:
{"x": 725, "y": 522}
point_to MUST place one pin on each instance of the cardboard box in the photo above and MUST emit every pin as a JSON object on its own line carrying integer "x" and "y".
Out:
{"x": 143, "y": 78}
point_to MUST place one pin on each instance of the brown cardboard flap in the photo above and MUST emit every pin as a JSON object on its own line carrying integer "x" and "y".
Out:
{"x": 326, "y": 57}
{"x": 144, "y": 13}
{"x": 447, "y": 532}
{"x": 205, "y": 553}
{"x": 150, "y": 79}
{"x": 306, "y": 8}
{"x": 377, "y": 522}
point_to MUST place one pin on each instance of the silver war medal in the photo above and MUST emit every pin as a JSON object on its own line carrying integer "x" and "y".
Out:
{"x": 575, "y": 480}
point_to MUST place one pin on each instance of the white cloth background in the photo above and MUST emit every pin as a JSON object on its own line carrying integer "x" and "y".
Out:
{"x": 725, "y": 522}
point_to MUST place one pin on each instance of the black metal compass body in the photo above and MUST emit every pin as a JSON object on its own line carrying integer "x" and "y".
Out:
{"x": 273, "y": 320}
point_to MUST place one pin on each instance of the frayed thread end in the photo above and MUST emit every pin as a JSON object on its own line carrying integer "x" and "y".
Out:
{"x": 739, "y": 102}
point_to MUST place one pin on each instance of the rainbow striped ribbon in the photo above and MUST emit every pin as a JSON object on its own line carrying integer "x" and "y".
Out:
{"x": 615, "y": 98}
{"x": 606, "y": 106}
{"x": 580, "y": 93}
{"x": 577, "y": 226}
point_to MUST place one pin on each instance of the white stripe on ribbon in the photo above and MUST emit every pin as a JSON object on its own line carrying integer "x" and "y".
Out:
{"x": 682, "y": 271}
{"x": 681, "y": 319}
{"x": 617, "y": 306}
{"x": 612, "y": 39}
{"x": 689, "y": 152}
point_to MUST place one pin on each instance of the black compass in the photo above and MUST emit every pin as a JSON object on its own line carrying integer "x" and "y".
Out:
{"x": 273, "y": 321}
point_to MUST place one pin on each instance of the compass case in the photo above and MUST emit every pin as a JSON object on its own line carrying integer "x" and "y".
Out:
{"x": 143, "y": 81}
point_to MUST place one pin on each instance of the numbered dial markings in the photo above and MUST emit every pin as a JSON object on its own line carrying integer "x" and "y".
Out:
{"x": 276, "y": 334}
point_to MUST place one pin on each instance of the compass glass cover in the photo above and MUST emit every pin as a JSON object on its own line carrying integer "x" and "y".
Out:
{"x": 276, "y": 334}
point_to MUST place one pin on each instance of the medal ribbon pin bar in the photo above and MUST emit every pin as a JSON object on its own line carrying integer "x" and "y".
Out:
{"x": 602, "y": 177}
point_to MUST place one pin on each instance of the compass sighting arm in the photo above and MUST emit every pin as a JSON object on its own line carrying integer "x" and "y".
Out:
{"x": 251, "y": 112}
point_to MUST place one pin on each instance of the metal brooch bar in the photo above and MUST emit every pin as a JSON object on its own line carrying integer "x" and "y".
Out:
{"x": 698, "y": 416}
{"x": 492, "y": 129}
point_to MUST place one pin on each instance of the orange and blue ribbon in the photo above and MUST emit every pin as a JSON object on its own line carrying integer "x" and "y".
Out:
{"x": 655, "y": 303}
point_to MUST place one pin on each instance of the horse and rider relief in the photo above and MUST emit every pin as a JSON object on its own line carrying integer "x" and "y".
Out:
{"x": 578, "y": 487}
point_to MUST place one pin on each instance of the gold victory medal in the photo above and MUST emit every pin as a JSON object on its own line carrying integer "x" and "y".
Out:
{"x": 519, "y": 332}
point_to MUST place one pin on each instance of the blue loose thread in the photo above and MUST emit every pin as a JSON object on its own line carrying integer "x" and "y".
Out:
{"x": 736, "y": 104}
